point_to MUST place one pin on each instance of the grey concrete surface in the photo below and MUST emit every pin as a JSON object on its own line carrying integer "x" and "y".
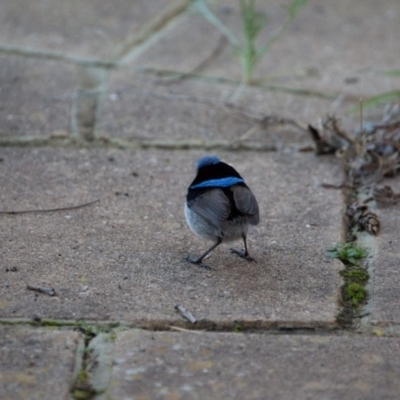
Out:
{"x": 150, "y": 365}
{"x": 37, "y": 363}
{"x": 141, "y": 107}
{"x": 317, "y": 54}
{"x": 90, "y": 29}
{"x": 327, "y": 44}
{"x": 119, "y": 261}
{"x": 130, "y": 246}
{"x": 37, "y": 97}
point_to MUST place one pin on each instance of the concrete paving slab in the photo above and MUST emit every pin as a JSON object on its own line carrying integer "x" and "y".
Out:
{"x": 37, "y": 363}
{"x": 36, "y": 95}
{"x": 150, "y": 365}
{"x": 93, "y": 28}
{"x": 385, "y": 285}
{"x": 336, "y": 47}
{"x": 321, "y": 40}
{"x": 142, "y": 107}
{"x": 122, "y": 258}
{"x": 138, "y": 107}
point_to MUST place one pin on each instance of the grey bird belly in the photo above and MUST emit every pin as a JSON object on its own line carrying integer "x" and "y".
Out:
{"x": 228, "y": 230}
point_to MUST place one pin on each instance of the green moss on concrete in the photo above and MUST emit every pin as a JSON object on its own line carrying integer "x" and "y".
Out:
{"x": 354, "y": 293}
{"x": 355, "y": 279}
{"x": 82, "y": 389}
{"x": 356, "y": 275}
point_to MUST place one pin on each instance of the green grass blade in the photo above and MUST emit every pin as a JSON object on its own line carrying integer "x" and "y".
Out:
{"x": 376, "y": 100}
{"x": 292, "y": 9}
{"x": 202, "y": 7}
{"x": 394, "y": 72}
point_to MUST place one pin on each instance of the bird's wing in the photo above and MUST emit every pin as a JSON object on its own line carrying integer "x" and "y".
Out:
{"x": 246, "y": 203}
{"x": 213, "y": 206}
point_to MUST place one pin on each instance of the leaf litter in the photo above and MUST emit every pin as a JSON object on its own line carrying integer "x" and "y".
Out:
{"x": 369, "y": 155}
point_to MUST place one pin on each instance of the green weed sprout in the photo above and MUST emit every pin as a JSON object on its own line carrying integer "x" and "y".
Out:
{"x": 347, "y": 253}
{"x": 253, "y": 22}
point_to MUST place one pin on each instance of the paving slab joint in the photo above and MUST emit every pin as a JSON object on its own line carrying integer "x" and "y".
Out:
{"x": 369, "y": 243}
{"x": 92, "y": 86}
{"x": 94, "y": 374}
{"x": 103, "y": 141}
{"x": 175, "y": 74}
{"x": 128, "y": 48}
{"x": 358, "y": 272}
{"x": 91, "y": 329}
{"x": 47, "y": 55}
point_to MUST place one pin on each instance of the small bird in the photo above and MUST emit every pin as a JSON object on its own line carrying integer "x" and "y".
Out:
{"x": 220, "y": 206}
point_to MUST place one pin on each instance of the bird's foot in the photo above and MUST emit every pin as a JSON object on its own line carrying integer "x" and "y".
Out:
{"x": 243, "y": 254}
{"x": 197, "y": 261}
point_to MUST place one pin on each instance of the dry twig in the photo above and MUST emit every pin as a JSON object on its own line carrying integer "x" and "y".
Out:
{"x": 42, "y": 289}
{"x": 50, "y": 209}
{"x": 185, "y": 313}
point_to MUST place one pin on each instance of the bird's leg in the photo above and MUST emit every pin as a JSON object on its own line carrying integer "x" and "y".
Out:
{"x": 243, "y": 253}
{"x": 199, "y": 260}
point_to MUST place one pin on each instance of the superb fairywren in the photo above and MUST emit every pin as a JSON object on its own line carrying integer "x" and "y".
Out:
{"x": 220, "y": 206}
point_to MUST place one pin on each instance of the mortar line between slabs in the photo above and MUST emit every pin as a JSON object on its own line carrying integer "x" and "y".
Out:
{"x": 180, "y": 326}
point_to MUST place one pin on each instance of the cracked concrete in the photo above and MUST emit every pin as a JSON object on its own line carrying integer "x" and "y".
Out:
{"x": 116, "y": 104}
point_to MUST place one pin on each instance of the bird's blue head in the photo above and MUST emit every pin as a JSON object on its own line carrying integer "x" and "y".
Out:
{"x": 212, "y": 173}
{"x": 207, "y": 160}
